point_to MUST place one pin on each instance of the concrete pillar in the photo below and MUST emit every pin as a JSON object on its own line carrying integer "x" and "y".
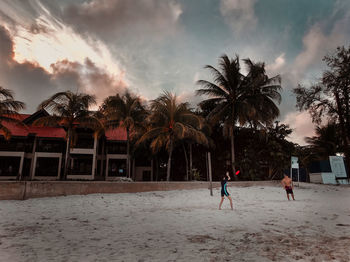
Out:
{"x": 21, "y": 166}
{"x": 32, "y": 164}
{"x": 94, "y": 158}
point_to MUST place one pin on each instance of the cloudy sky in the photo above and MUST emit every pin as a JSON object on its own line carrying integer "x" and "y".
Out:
{"x": 104, "y": 46}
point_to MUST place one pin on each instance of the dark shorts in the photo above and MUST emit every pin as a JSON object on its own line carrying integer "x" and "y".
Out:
{"x": 223, "y": 193}
{"x": 289, "y": 190}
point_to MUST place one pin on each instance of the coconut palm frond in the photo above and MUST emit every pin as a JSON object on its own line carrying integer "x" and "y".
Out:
{"x": 6, "y": 132}
{"x": 10, "y": 104}
{"x": 53, "y": 121}
{"x": 90, "y": 122}
{"x": 6, "y": 93}
{"x": 218, "y": 77}
{"x": 60, "y": 97}
{"x": 152, "y": 133}
{"x": 211, "y": 89}
{"x": 9, "y": 111}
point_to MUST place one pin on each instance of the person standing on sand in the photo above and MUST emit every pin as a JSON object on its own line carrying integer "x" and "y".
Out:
{"x": 224, "y": 190}
{"x": 287, "y": 184}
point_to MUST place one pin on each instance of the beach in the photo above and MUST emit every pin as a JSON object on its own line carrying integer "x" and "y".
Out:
{"x": 183, "y": 225}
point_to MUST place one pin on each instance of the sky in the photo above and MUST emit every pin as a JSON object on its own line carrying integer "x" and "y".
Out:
{"x": 102, "y": 47}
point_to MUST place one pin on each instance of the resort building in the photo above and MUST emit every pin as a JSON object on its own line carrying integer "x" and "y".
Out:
{"x": 32, "y": 152}
{"x": 38, "y": 153}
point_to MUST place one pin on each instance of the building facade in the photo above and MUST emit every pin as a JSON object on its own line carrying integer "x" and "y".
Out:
{"x": 38, "y": 153}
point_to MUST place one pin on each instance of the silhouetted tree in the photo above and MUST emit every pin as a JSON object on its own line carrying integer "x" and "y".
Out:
{"x": 69, "y": 110}
{"x": 330, "y": 97}
{"x": 234, "y": 97}
{"x": 126, "y": 111}
{"x": 171, "y": 122}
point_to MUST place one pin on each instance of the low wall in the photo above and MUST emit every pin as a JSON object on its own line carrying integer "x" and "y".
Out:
{"x": 33, "y": 189}
{"x": 11, "y": 190}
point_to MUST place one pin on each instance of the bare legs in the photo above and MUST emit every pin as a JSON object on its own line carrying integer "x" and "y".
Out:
{"x": 292, "y": 196}
{"x": 222, "y": 200}
{"x": 230, "y": 202}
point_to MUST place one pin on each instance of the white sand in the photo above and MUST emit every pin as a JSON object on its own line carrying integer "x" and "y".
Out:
{"x": 180, "y": 226}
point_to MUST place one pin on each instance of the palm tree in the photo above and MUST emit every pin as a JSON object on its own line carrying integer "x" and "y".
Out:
{"x": 327, "y": 141}
{"x": 234, "y": 97}
{"x": 193, "y": 139}
{"x": 70, "y": 110}
{"x": 261, "y": 93}
{"x": 8, "y": 111}
{"x": 170, "y": 122}
{"x": 126, "y": 111}
{"x": 209, "y": 143}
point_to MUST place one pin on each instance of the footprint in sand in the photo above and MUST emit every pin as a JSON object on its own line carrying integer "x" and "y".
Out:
{"x": 343, "y": 225}
{"x": 334, "y": 217}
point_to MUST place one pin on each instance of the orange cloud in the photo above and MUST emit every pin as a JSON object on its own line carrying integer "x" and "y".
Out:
{"x": 32, "y": 83}
{"x": 302, "y": 126}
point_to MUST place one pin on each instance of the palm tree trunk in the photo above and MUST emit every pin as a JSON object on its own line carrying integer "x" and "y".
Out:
{"x": 186, "y": 160}
{"x": 169, "y": 161}
{"x": 67, "y": 159}
{"x": 128, "y": 151}
{"x": 102, "y": 160}
{"x": 233, "y": 152}
{"x": 272, "y": 173}
{"x": 132, "y": 163}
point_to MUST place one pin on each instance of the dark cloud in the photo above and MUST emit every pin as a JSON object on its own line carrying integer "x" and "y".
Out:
{"x": 30, "y": 82}
{"x": 87, "y": 78}
{"x": 6, "y": 46}
{"x": 109, "y": 19}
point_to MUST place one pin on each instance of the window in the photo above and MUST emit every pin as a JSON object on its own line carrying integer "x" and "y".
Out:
{"x": 84, "y": 140}
{"x": 46, "y": 145}
{"x": 9, "y": 165}
{"x": 116, "y": 148}
{"x": 116, "y": 167}
{"x": 12, "y": 145}
{"x": 47, "y": 166}
{"x": 81, "y": 164}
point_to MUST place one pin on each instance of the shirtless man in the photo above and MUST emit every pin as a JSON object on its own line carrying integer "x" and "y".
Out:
{"x": 224, "y": 190}
{"x": 287, "y": 184}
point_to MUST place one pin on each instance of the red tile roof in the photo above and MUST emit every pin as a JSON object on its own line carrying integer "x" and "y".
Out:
{"x": 17, "y": 130}
{"x": 51, "y": 132}
{"x": 22, "y": 116}
{"x": 116, "y": 134}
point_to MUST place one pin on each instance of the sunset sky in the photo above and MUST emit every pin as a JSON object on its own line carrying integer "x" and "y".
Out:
{"x": 104, "y": 46}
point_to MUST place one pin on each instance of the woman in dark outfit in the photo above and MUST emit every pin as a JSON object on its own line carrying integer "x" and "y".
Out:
{"x": 224, "y": 190}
